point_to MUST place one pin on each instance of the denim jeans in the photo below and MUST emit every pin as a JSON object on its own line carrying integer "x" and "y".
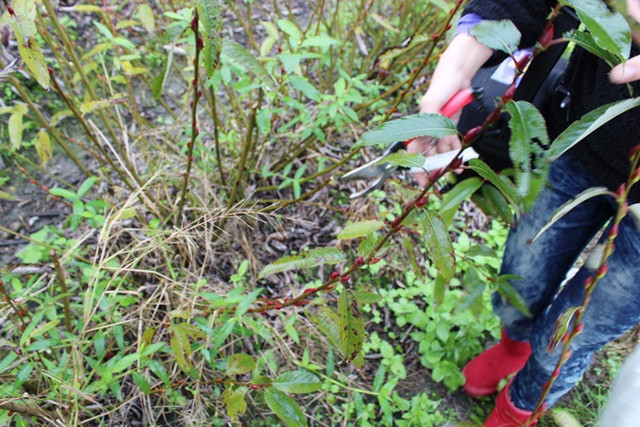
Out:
{"x": 542, "y": 267}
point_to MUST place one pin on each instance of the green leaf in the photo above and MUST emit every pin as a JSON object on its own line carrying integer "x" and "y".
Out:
{"x": 506, "y": 188}
{"x": 61, "y": 192}
{"x": 6, "y": 196}
{"x": 309, "y": 259}
{"x": 439, "y": 287}
{"x": 609, "y": 29}
{"x": 509, "y": 293}
{"x": 528, "y": 129}
{"x": 564, "y": 418}
{"x": 271, "y": 30}
{"x": 587, "y": 42}
{"x": 87, "y": 8}
{"x": 403, "y": 159}
{"x": 178, "y": 351}
{"x": 16, "y": 128}
{"x": 561, "y": 327}
{"x": 460, "y": 192}
{"x": 243, "y": 57}
{"x": 211, "y": 16}
{"x": 424, "y": 124}
{"x": 291, "y": 30}
{"x": 124, "y": 363}
{"x": 322, "y": 41}
{"x": 439, "y": 245}
{"x": 284, "y": 407}
{"x": 359, "y": 229}
{"x": 290, "y": 62}
{"x": 500, "y": 35}
{"x": 44, "y": 328}
{"x": 408, "y": 246}
{"x": 246, "y": 302}
{"x": 86, "y": 185}
{"x": 121, "y": 41}
{"x": 364, "y": 297}
{"x": 327, "y": 322}
{"x": 474, "y": 287}
{"x": 234, "y": 401}
{"x": 30, "y": 328}
{"x": 570, "y": 205}
{"x": 299, "y": 381}
{"x": 141, "y": 382}
{"x": 43, "y": 147}
{"x": 146, "y": 16}
{"x": 302, "y": 84}
{"x": 240, "y": 363}
{"x": 587, "y": 124}
{"x": 350, "y": 324}
{"x": 493, "y": 202}
{"x": 25, "y": 30}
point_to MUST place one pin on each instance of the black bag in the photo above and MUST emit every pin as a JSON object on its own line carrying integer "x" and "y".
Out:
{"x": 541, "y": 79}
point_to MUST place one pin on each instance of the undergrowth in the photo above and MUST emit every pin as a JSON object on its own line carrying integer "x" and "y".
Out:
{"x": 206, "y": 138}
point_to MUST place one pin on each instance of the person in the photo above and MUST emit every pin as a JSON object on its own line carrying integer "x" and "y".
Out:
{"x": 602, "y": 159}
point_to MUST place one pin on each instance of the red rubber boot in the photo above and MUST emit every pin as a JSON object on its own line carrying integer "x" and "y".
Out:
{"x": 506, "y": 414}
{"x": 484, "y": 372}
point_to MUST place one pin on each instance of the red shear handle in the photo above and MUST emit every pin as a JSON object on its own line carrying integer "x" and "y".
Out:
{"x": 458, "y": 102}
{"x": 455, "y": 104}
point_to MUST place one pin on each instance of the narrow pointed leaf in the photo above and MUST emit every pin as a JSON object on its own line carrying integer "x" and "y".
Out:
{"x": 561, "y": 327}
{"x": 509, "y": 293}
{"x": 404, "y": 159}
{"x": 327, "y": 322}
{"x": 460, "y": 192}
{"x": 43, "y": 147}
{"x": 506, "y": 188}
{"x": 359, "y": 229}
{"x": 243, "y": 57}
{"x": 145, "y": 14}
{"x": 300, "y": 381}
{"x": 609, "y": 29}
{"x": 439, "y": 245}
{"x": 571, "y": 204}
{"x": 425, "y": 124}
{"x": 312, "y": 258}
{"x": 211, "y": 18}
{"x": 588, "y": 123}
{"x": 284, "y": 407}
{"x": 16, "y": 128}
{"x": 586, "y": 41}
{"x": 501, "y": 35}
{"x": 528, "y": 130}
{"x": 351, "y": 324}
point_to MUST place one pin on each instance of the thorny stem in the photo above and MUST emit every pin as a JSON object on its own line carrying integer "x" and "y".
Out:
{"x": 590, "y": 284}
{"x": 44, "y": 188}
{"x": 65, "y": 290}
{"x": 216, "y": 135}
{"x": 248, "y": 142}
{"x": 194, "y": 116}
{"x": 44, "y": 122}
{"x": 29, "y": 411}
{"x": 93, "y": 139}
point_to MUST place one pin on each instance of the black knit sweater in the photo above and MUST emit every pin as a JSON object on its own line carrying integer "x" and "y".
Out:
{"x": 605, "y": 152}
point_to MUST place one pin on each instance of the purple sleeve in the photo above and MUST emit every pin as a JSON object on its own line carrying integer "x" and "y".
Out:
{"x": 467, "y": 22}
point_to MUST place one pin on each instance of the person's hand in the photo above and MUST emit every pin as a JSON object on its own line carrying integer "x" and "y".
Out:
{"x": 456, "y": 67}
{"x": 630, "y": 70}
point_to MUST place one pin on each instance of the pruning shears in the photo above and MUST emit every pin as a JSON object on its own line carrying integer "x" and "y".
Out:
{"x": 382, "y": 171}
